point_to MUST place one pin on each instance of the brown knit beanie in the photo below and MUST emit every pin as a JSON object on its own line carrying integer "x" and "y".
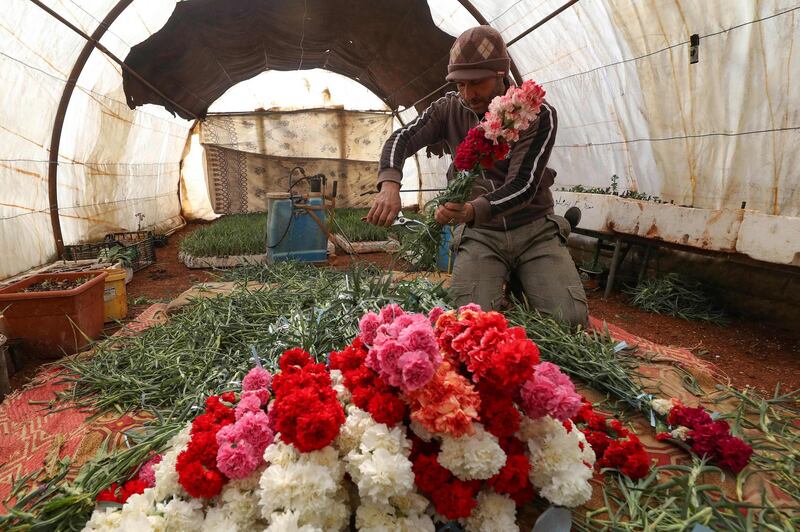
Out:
{"x": 479, "y": 52}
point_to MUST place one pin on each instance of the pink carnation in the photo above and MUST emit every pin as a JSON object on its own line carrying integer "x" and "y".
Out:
{"x": 417, "y": 370}
{"x": 237, "y": 460}
{"x": 249, "y": 403}
{"x": 549, "y": 392}
{"x": 470, "y": 306}
{"x": 369, "y": 326}
{"x": 146, "y": 473}
{"x": 256, "y": 379}
{"x": 262, "y": 395}
{"x": 434, "y": 315}
{"x": 388, "y": 356}
{"x": 254, "y": 428}
{"x": 391, "y": 312}
{"x": 419, "y": 337}
{"x": 229, "y": 434}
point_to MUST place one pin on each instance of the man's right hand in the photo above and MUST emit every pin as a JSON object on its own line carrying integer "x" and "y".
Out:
{"x": 386, "y": 205}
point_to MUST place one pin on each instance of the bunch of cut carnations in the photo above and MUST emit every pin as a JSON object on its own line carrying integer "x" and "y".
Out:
{"x": 615, "y": 446}
{"x": 705, "y": 436}
{"x": 421, "y": 420}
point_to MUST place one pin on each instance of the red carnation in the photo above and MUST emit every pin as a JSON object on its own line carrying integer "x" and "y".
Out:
{"x": 294, "y": 358}
{"x": 429, "y": 475}
{"x": 499, "y": 415}
{"x": 132, "y": 487}
{"x": 688, "y": 417}
{"x": 110, "y": 494}
{"x": 733, "y": 453}
{"x": 386, "y": 408}
{"x": 198, "y": 481}
{"x": 704, "y": 438}
{"x": 228, "y": 397}
{"x": 513, "y": 477}
{"x": 456, "y": 499}
{"x": 315, "y": 431}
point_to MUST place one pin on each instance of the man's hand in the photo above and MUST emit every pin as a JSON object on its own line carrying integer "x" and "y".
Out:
{"x": 386, "y": 205}
{"x": 455, "y": 213}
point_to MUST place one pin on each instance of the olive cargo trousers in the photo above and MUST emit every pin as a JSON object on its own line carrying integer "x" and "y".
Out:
{"x": 534, "y": 254}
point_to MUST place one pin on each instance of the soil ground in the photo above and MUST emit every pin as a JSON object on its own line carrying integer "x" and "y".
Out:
{"x": 752, "y": 354}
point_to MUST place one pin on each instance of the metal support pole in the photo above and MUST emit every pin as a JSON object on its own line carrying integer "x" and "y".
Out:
{"x": 612, "y": 273}
{"x": 61, "y": 112}
{"x": 645, "y": 261}
{"x": 96, "y": 43}
{"x": 542, "y": 22}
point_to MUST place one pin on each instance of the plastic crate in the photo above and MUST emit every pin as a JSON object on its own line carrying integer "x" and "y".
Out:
{"x": 87, "y": 251}
{"x": 142, "y": 241}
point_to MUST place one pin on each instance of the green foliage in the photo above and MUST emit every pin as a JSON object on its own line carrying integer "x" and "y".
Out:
{"x": 613, "y": 190}
{"x": 236, "y": 234}
{"x": 677, "y": 296}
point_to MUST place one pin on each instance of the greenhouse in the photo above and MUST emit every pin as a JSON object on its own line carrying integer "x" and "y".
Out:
{"x": 399, "y": 265}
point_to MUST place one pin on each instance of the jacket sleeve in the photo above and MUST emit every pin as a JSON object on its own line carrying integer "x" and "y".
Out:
{"x": 426, "y": 130}
{"x": 526, "y": 169}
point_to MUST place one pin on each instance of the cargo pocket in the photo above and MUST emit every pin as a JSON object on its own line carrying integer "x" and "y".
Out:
{"x": 580, "y": 307}
{"x": 563, "y": 227}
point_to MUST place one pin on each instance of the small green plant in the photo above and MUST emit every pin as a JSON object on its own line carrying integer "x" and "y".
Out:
{"x": 613, "y": 190}
{"x": 119, "y": 254}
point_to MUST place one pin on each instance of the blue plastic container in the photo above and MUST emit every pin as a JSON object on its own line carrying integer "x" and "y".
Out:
{"x": 292, "y": 234}
{"x": 446, "y": 257}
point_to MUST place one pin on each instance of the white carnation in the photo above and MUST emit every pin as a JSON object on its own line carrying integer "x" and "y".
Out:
{"x": 288, "y": 522}
{"x": 241, "y": 506}
{"x": 294, "y": 487}
{"x": 661, "y": 406}
{"x": 352, "y": 430}
{"x": 166, "y": 477}
{"x": 280, "y": 453}
{"x": 219, "y": 519}
{"x": 493, "y": 512}
{"x": 182, "y": 515}
{"x": 681, "y": 433}
{"x": 410, "y": 503}
{"x": 372, "y": 517}
{"x": 558, "y": 461}
{"x": 476, "y": 457}
{"x": 104, "y": 520}
{"x": 139, "y": 513}
{"x": 570, "y": 487}
{"x": 380, "y": 436}
{"x": 337, "y": 380}
{"x": 381, "y": 475}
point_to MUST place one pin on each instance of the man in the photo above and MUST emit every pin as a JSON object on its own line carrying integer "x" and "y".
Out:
{"x": 508, "y": 230}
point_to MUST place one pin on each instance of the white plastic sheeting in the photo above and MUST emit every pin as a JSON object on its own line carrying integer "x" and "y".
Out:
{"x": 113, "y": 162}
{"x": 712, "y": 135}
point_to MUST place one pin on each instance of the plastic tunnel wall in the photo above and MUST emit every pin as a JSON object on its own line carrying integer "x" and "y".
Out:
{"x": 717, "y": 134}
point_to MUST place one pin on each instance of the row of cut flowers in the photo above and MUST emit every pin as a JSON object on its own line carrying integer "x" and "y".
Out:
{"x": 421, "y": 420}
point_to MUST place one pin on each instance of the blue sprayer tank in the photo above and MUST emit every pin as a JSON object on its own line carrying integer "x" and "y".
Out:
{"x": 292, "y": 233}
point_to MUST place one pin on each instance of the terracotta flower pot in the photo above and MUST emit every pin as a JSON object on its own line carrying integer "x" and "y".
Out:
{"x": 57, "y": 322}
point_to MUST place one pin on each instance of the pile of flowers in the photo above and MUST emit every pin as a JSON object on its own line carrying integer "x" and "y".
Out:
{"x": 420, "y": 420}
{"x": 615, "y": 446}
{"x": 706, "y": 436}
{"x": 508, "y": 115}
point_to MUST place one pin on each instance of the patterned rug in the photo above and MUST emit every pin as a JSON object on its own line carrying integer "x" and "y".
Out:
{"x": 36, "y": 429}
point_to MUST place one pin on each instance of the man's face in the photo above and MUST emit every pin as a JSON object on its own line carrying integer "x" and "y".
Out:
{"x": 478, "y": 93}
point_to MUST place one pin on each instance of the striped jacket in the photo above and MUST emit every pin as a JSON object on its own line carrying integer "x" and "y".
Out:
{"x": 514, "y": 192}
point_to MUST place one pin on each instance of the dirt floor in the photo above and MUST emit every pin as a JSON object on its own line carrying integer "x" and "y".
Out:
{"x": 752, "y": 354}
